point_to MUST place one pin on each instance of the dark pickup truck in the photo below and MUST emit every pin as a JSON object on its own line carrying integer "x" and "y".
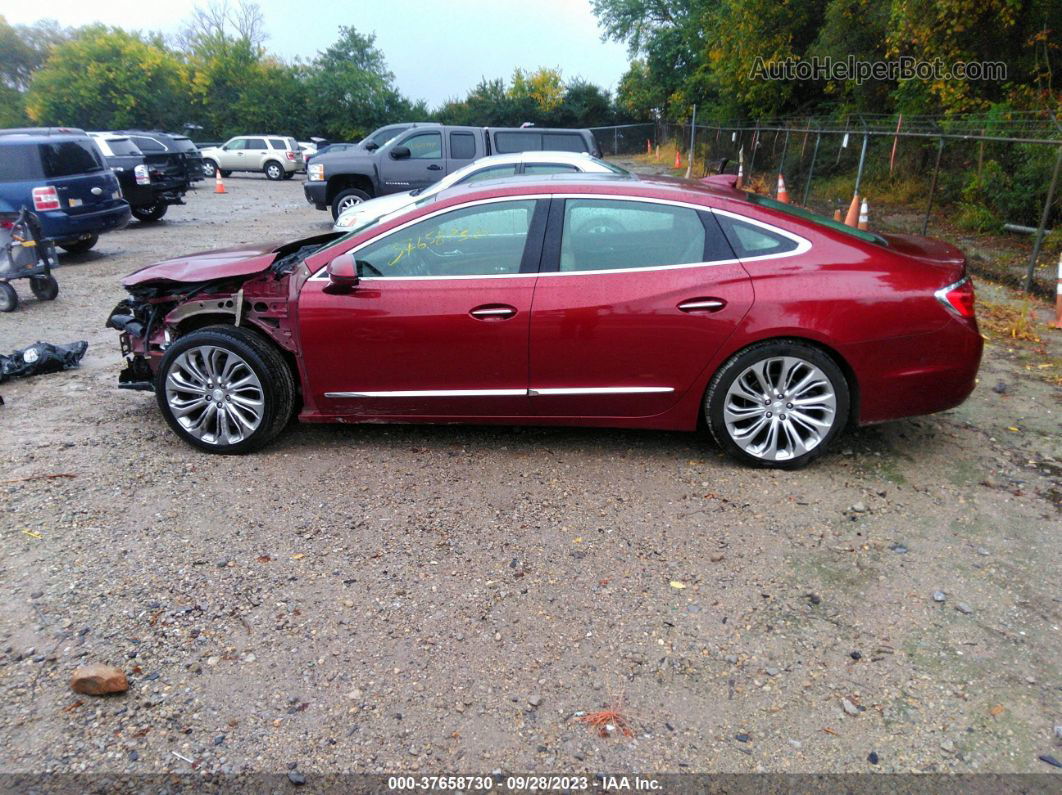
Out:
{"x": 422, "y": 155}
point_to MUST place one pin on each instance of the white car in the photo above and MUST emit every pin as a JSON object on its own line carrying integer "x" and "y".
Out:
{"x": 492, "y": 167}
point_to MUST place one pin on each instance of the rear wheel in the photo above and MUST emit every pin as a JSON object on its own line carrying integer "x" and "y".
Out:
{"x": 150, "y": 213}
{"x": 8, "y": 298}
{"x": 777, "y": 404}
{"x": 344, "y": 200}
{"x": 80, "y": 246}
{"x": 273, "y": 170}
{"x": 46, "y": 288}
{"x": 289, "y": 174}
{"x": 224, "y": 390}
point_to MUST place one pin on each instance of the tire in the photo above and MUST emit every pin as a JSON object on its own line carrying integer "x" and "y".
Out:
{"x": 80, "y": 246}
{"x": 271, "y": 384}
{"x": 754, "y": 427}
{"x": 150, "y": 213}
{"x": 46, "y": 288}
{"x": 210, "y": 167}
{"x": 8, "y": 298}
{"x": 346, "y": 199}
{"x": 289, "y": 174}
{"x": 273, "y": 170}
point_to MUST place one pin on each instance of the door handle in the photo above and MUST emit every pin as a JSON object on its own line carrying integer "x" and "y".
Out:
{"x": 702, "y": 305}
{"x": 434, "y": 167}
{"x": 493, "y": 312}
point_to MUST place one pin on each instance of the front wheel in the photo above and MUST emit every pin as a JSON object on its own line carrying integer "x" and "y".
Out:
{"x": 210, "y": 167}
{"x": 347, "y": 199}
{"x": 8, "y": 298}
{"x": 273, "y": 170}
{"x": 80, "y": 246}
{"x": 150, "y": 213}
{"x": 46, "y": 288}
{"x": 777, "y": 404}
{"x": 224, "y": 390}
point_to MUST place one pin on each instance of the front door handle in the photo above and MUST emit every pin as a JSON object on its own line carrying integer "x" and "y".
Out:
{"x": 493, "y": 312}
{"x": 434, "y": 167}
{"x": 702, "y": 305}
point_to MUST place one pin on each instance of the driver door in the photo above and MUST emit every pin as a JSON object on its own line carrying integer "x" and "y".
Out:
{"x": 231, "y": 155}
{"x": 424, "y": 165}
{"x": 437, "y": 326}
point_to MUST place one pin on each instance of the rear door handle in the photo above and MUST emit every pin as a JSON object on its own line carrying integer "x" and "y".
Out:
{"x": 493, "y": 312}
{"x": 702, "y": 305}
{"x": 434, "y": 167}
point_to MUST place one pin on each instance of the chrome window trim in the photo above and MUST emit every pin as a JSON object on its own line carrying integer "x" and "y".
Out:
{"x": 589, "y": 390}
{"x": 803, "y": 244}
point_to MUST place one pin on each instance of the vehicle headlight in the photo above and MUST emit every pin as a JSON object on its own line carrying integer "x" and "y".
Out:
{"x": 315, "y": 172}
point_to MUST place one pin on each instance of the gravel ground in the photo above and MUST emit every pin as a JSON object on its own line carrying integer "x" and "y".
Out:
{"x": 455, "y": 599}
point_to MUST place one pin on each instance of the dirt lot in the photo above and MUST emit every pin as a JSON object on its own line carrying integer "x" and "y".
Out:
{"x": 454, "y": 599}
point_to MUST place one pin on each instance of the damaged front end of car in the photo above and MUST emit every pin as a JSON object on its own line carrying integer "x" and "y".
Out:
{"x": 173, "y": 298}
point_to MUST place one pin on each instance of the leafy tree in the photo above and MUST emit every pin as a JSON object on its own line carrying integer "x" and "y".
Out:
{"x": 107, "y": 78}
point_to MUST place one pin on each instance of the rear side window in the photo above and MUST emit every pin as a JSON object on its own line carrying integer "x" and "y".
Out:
{"x": 493, "y": 172}
{"x": 462, "y": 146}
{"x": 70, "y": 157}
{"x": 602, "y": 234}
{"x": 517, "y": 141}
{"x": 19, "y": 162}
{"x": 277, "y": 143}
{"x": 750, "y": 240}
{"x": 548, "y": 168}
{"x": 147, "y": 144}
{"x": 564, "y": 142}
{"x": 256, "y": 143}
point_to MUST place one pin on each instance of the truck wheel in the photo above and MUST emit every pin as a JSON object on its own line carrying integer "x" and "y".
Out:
{"x": 80, "y": 246}
{"x": 224, "y": 390}
{"x": 150, "y": 213}
{"x": 46, "y": 288}
{"x": 351, "y": 197}
{"x": 273, "y": 170}
{"x": 8, "y": 298}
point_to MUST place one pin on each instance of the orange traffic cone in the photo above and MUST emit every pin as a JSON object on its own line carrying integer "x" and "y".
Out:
{"x": 853, "y": 211}
{"x": 837, "y": 214}
{"x": 783, "y": 194}
{"x": 1058, "y": 296}
{"x": 648, "y": 147}
{"x": 864, "y": 215}
{"x": 219, "y": 186}
{"x": 658, "y": 153}
{"x": 678, "y": 159}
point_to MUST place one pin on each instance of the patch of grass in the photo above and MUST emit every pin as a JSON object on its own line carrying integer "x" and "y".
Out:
{"x": 977, "y": 218}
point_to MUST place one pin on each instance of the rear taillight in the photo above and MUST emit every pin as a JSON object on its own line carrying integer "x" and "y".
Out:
{"x": 958, "y": 297}
{"x": 142, "y": 175}
{"x": 291, "y": 155}
{"x": 46, "y": 198}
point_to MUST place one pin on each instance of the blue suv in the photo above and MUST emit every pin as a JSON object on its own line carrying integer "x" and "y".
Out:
{"x": 60, "y": 174}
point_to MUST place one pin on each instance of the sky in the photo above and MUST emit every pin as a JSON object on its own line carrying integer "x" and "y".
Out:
{"x": 437, "y": 49}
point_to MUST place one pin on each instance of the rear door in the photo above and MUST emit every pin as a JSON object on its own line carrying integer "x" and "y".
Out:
{"x": 254, "y": 157}
{"x": 634, "y": 298}
{"x": 77, "y": 171}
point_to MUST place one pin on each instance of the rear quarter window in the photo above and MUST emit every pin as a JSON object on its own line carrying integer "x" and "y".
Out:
{"x": 751, "y": 240}
{"x": 277, "y": 143}
{"x": 19, "y": 162}
{"x": 121, "y": 146}
{"x": 67, "y": 158}
{"x": 147, "y": 144}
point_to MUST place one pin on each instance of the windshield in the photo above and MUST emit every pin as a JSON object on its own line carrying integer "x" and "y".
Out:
{"x": 815, "y": 218}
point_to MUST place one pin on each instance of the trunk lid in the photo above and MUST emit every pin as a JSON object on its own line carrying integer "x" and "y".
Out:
{"x": 936, "y": 253}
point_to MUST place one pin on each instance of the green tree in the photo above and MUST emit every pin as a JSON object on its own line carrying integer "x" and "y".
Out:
{"x": 106, "y": 78}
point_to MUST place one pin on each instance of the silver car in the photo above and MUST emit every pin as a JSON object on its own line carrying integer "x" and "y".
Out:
{"x": 492, "y": 167}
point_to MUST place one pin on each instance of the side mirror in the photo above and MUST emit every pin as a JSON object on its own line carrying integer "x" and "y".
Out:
{"x": 342, "y": 274}
{"x": 372, "y": 146}
{"x": 400, "y": 152}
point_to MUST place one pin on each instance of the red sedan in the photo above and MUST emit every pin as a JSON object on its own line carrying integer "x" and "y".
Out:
{"x": 567, "y": 300}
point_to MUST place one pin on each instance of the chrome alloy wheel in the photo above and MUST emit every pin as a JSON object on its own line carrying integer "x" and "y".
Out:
{"x": 780, "y": 408}
{"x": 347, "y": 203}
{"x": 215, "y": 395}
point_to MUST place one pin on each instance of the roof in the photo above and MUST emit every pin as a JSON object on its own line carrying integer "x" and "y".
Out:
{"x": 39, "y": 132}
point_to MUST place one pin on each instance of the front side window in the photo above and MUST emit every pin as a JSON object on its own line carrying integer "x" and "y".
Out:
{"x": 236, "y": 143}
{"x": 484, "y": 240}
{"x": 493, "y": 172}
{"x": 424, "y": 146}
{"x": 548, "y": 168}
{"x": 604, "y": 234}
{"x": 750, "y": 240}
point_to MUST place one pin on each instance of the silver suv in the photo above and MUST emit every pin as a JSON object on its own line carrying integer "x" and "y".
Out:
{"x": 276, "y": 156}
